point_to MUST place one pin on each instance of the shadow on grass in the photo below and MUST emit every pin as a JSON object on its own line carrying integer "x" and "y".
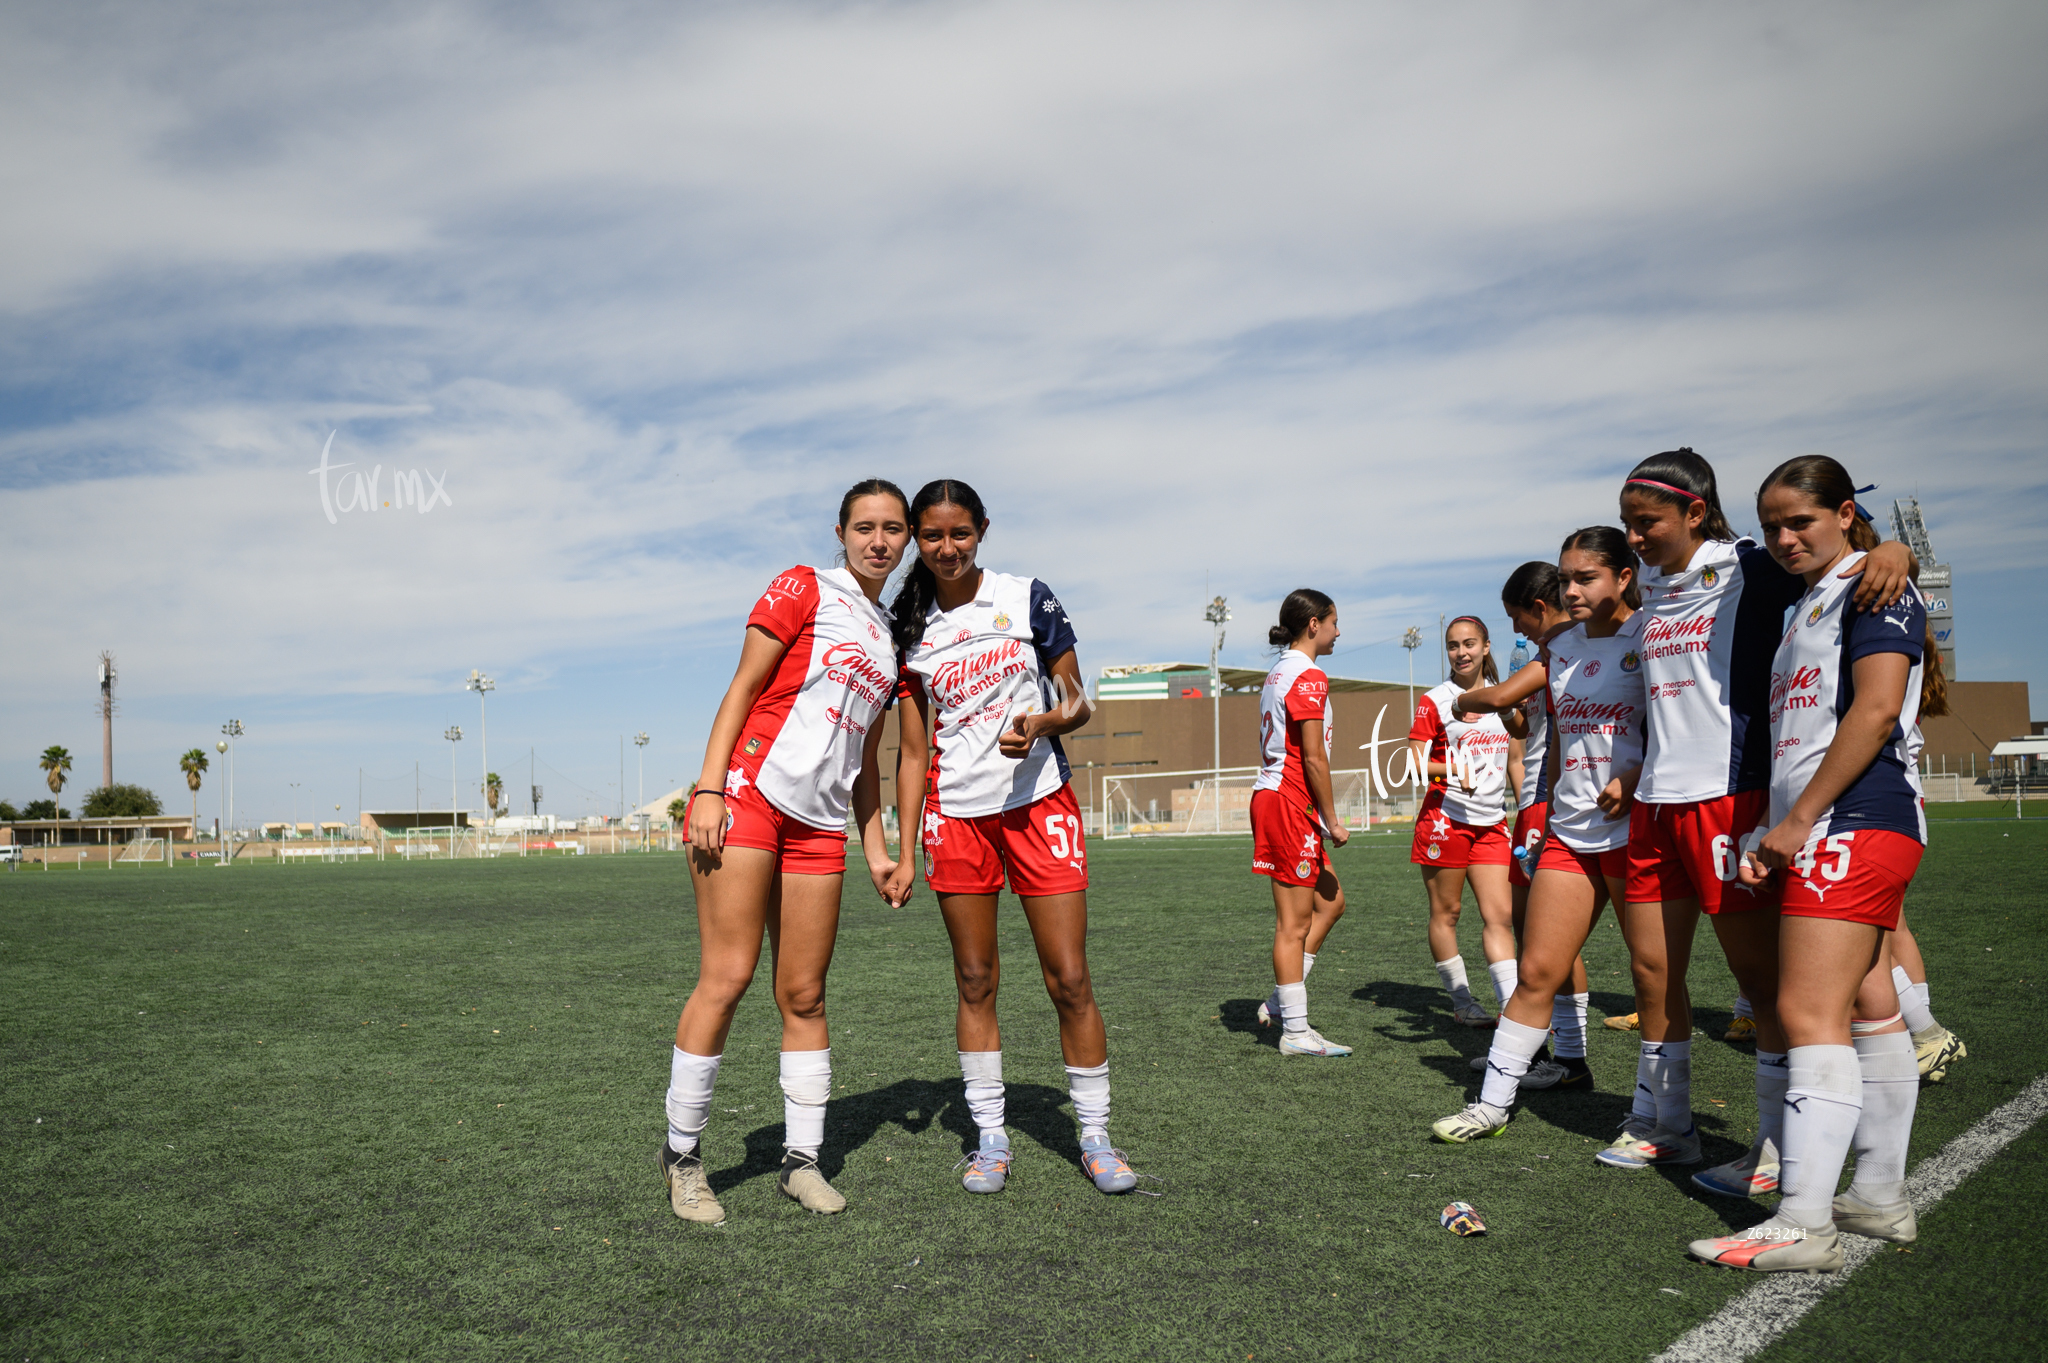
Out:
{"x": 1242, "y": 1015}
{"x": 1031, "y": 1110}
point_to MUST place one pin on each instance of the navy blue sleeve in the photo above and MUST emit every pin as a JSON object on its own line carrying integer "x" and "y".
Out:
{"x": 1765, "y": 575}
{"x": 1900, "y": 627}
{"x": 1051, "y": 631}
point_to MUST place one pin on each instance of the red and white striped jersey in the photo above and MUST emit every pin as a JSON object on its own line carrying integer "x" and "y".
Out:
{"x": 1596, "y": 719}
{"x": 801, "y": 746}
{"x": 1478, "y": 749}
{"x": 1296, "y": 689}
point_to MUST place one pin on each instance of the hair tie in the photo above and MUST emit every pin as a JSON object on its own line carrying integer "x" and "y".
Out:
{"x": 1861, "y": 510}
{"x": 1652, "y": 482}
{"x": 1473, "y": 618}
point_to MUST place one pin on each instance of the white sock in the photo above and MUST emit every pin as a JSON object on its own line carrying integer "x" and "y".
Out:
{"x": 1088, "y": 1086}
{"x": 1670, "y": 1065}
{"x": 1773, "y": 1073}
{"x": 1743, "y": 1008}
{"x": 1504, "y": 980}
{"x": 1452, "y": 973}
{"x": 690, "y": 1078}
{"x": 1643, "y": 1108}
{"x": 1822, "y": 1104}
{"x": 1293, "y": 1007}
{"x": 1891, "y": 1092}
{"x": 982, "y": 1073}
{"x": 1912, "y": 1001}
{"x": 806, "y": 1086}
{"x": 1308, "y": 963}
{"x": 1514, "y": 1046}
{"x": 1568, "y": 1020}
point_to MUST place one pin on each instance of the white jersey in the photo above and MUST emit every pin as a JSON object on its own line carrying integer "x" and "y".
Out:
{"x": 1535, "y": 788}
{"x": 1296, "y": 689}
{"x": 802, "y": 742}
{"x": 1812, "y": 686}
{"x": 1597, "y": 705}
{"x": 1708, "y": 634}
{"x": 1478, "y": 750}
{"x": 982, "y": 665}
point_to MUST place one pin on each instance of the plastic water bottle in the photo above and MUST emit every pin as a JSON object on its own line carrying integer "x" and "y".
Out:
{"x": 1520, "y": 657}
{"x": 1522, "y": 860}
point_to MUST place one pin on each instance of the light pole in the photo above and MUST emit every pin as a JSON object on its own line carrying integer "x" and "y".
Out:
{"x": 454, "y": 736}
{"x": 482, "y": 685}
{"x": 1217, "y": 615}
{"x": 640, "y": 741}
{"x": 1411, "y": 641}
{"x": 295, "y": 806}
{"x": 221, "y": 746}
{"x": 233, "y": 729}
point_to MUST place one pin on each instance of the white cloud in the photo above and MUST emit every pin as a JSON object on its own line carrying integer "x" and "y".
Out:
{"x": 1378, "y": 299}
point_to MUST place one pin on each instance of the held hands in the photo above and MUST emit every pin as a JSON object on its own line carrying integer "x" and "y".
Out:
{"x": 1772, "y": 851}
{"x": 893, "y": 881}
{"x": 707, "y": 821}
{"x": 1015, "y": 741}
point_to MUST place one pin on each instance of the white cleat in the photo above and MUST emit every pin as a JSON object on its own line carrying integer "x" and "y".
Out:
{"x": 1894, "y": 1222}
{"x": 1308, "y": 1041}
{"x": 1476, "y": 1122}
{"x": 1776, "y": 1246}
{"x": 1473, "y": 1015}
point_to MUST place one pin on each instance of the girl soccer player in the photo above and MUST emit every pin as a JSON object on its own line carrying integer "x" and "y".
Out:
{"x": 1294, "y": 809}
{"x": 992, "y": 681}
{"x": 1596, "y": 704}
{"x": 1845, "y": 837}
{"x": 1712, "y": 606}
{"x": 795, "y": 738}
{"x": 1461, "y": 832}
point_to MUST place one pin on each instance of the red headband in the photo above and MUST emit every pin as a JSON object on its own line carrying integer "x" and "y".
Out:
{"x": 1652, "y": 482}
{"x": 1473, "y": 618}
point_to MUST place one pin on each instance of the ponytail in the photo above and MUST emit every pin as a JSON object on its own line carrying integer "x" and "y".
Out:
{"x": 1534, "y": 583}
{"x": 920, "y": 589}
{"x": 1303, "y": 605}
{"x": 1933, "y": 677}
{"x": 1679, "y": 478}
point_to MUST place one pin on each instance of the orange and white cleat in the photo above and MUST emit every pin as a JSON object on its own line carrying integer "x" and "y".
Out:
{"x": 1776, "y": 1246}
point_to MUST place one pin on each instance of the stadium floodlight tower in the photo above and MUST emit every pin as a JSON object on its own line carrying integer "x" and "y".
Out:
{"x": 453, "y": 733}
{"x": 233, "y": 730}
{"x": 1218, "y": 615}
{"x": 482, "y": 685}
{"x": 1411, "y": 640}
{"x": 640, "y": 741}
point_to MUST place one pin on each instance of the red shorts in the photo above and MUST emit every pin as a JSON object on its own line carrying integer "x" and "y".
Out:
{"x": 1040, "y": 845}
{"x": 1857, "y": 877}
{"x": 799, "y": 848}
{"x": 1441, "y": 840}
{"x": 1689, "y": 851}
{"x": 1612, "y": 864}
{"x": 1529, "y": 821}
{"x": 1287, "y": 839}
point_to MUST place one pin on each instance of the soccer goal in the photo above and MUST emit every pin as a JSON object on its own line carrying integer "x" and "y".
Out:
{"x": 142, "y": 849}
{"x": 1192, "y": 803}
{"x": 1943, "y": 787}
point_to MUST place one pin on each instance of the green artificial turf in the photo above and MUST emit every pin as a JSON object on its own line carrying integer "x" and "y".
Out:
{"x": 392, "y": 1111}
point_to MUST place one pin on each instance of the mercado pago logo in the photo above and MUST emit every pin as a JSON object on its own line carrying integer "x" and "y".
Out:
{"x": 345, "y": 492}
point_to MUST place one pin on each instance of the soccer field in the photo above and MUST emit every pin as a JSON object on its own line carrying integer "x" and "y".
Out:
{"x": 389, "y": 1111}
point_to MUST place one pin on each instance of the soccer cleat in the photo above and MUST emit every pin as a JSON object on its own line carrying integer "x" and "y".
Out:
{"x": 1578, "y": 1076}
{"x": 988, "y": 1168}
{"x": 801, "y": 1180}
{"x": 689, "y": 1192}
{"x": 1936, "y": 1049}
{"x": 1754, "y": 1174}
{"x": 1740, "y": 1029}
{"x": 1894, "y": 1222}
{"x": 1776, "y": 1246}
{"x": 1543, "y": 1073}
{"x": 1621, "y": 1024}
{"x": 1106, "y": 1165}
{"x": 1475, "y": 1123}
{"x": 1658, "y": 1147}
{"x": 1269, "y": 1011}
{"x": 1308, "y": 1041}
{"x": 1473, "y": 1015}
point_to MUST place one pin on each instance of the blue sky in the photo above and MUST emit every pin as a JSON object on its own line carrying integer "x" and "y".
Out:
{"x": 1202, "y": 297}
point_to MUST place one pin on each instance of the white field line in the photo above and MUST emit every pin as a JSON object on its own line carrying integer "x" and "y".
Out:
{"x": 1753, "y": 1320}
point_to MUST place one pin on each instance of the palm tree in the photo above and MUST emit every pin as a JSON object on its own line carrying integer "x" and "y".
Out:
{"x": 678, "y": 810}
{"x": 192, "y": 764}
{"x": 494, "y": 791}
{"x": 56, "y": 761}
